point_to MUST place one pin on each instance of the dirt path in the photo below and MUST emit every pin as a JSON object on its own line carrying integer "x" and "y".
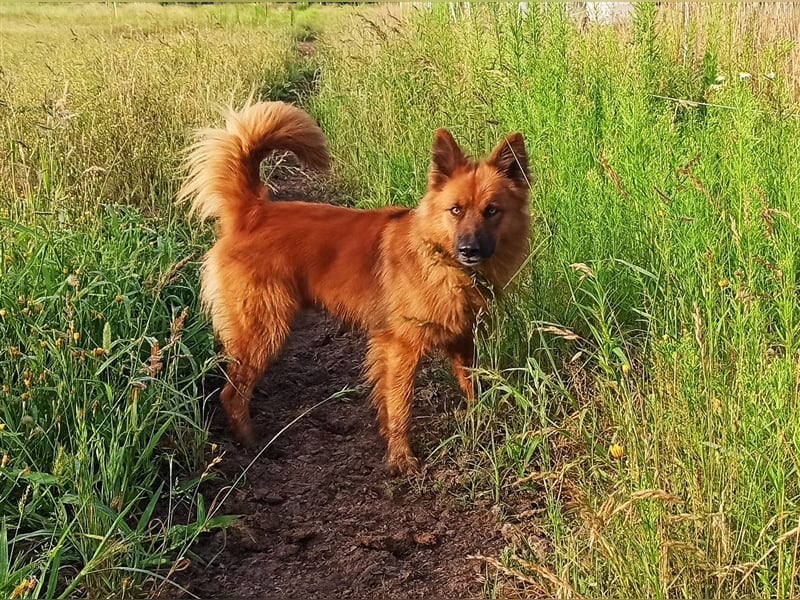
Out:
{"x": 320, "y": 516}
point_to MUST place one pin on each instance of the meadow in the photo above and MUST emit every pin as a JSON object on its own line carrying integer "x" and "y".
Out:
{"x": 636, "y": 421}
{"x": 638, "y": 413}
{"x": 103, "y": 353}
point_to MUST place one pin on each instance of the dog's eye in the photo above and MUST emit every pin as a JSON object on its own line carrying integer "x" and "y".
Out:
{"x": 491, "y": 210}
{"x": 456, "y": 210}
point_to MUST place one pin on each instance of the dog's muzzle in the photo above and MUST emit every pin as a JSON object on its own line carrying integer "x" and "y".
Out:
{"x": 471, "y": 250}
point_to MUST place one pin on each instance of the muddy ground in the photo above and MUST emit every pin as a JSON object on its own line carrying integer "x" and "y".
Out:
{"x": 320, "y": 517}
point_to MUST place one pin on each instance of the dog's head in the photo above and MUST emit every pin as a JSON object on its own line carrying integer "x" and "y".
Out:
{"x": 478, "y": 211}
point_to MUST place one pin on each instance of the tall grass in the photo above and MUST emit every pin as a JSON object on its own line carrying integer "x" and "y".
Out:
{"x": 660, "y": 314}
{"x": 102, "y": 350}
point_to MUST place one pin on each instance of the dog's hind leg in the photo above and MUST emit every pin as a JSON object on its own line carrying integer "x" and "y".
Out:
{"x": 391, "y": 365}
{"x": 261, "y": 328}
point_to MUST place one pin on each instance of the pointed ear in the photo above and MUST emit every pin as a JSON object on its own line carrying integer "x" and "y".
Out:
{"x": 447, "y": 157}
{"x": 511, "y": 159}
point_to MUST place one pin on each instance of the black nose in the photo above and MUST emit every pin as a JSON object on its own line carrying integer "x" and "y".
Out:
{"x": 473, "y": 248}
{"x": 469, "y": 252}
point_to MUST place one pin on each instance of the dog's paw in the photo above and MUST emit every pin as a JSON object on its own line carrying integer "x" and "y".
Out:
{"x": 403, "y": 464}
{"x": 244, "y": 435}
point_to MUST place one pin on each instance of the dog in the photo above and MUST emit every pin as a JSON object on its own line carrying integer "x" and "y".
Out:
{"x": 414, "y": 280}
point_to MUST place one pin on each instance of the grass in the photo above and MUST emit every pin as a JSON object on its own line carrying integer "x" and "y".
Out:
{"x": 660, "y": 311}
{"x": 102, "y": 351}
{"x": 658, "y": 316}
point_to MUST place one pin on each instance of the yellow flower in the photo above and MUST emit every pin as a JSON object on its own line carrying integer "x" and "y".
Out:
{"x": 616, "y": 451}
{"x": 3, "y": 313}
{"x": 119, "y": 298}
{"x": 27, "y": 382}
{"x": 5, "y": 460}
{"x": 626, "y": 369}
{"x": 43, "y": 344}
{"x": 26, "y": 311}
{"x": 5, "y": 389}
{"x": 2, "y": 426}
{"x": 76, "y": 336}
{"x": 723, "y": 283}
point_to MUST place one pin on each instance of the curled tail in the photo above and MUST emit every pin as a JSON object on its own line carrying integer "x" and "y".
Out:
{"x": 222, "y": 165}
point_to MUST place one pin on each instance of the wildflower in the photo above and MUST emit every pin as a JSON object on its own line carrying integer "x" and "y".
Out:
{"x": 76, "y": 336}
{"x": 5, "y": 460}
{"x": 743, "y": 76}
{"x": 119, "y": 298}
{"x": 720, "y": 79}
{"x": 616, "y": 451}
{"x": 3, "y": 313}
{"x": 723, "y": 283}
{"x": 770, "y": 75}
{"x": 626, "y": 369}
{"x": 2, "y": 426}
{"x": 5, "y": 389}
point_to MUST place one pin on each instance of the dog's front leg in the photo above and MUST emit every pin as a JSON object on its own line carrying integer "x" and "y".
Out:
{"x": 462, "y": 359}
{"x": 392, "y": 363}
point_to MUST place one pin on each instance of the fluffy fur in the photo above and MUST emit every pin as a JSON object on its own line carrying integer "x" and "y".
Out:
{"x": 413, "y": 279}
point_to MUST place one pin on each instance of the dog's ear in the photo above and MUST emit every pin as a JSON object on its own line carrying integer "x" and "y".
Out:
{"x": 447, "y": 157}
{"x": 511, "y": 159}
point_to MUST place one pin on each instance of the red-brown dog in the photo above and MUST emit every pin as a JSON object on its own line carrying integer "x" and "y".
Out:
{"x": 408, "y": 277}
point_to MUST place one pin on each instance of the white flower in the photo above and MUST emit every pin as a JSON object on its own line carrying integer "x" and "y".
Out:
{"x": 743, "y": 76}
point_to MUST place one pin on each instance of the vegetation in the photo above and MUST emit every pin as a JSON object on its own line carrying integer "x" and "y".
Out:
{"x": 637, "y": 418}
{"x": 640, "y": 399}
{"x": 102, "y": 351}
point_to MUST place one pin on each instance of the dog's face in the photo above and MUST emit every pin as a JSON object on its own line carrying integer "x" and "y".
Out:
{"x": 472, "y": 209}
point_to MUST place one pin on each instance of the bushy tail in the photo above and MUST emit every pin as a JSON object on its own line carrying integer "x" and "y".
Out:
{"x": 223, "y": 164}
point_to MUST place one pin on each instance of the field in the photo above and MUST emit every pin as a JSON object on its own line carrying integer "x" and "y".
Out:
{"x": 636, "y": 426}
